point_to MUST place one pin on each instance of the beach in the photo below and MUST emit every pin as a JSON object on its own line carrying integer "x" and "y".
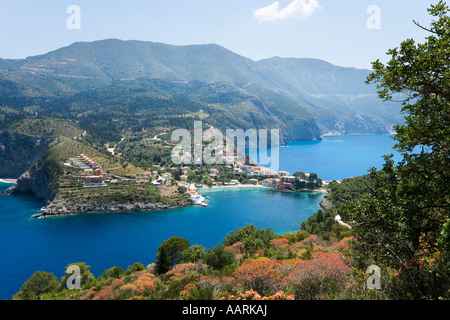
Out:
{"x": 205, "y": 187}
{"x": 13, "y": 181}
{"x": 237, "y": 186}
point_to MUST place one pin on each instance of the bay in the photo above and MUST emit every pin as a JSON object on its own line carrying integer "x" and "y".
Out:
{"x": 336, "y": 157}
{"x": 105, "y": 240}
{"x": 121, "y": 239}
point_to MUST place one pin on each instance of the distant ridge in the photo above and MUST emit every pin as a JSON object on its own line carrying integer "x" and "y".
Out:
{"x": 335, "y": 96}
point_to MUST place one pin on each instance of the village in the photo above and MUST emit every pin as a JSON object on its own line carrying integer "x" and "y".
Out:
{"x": 193, "y": 178}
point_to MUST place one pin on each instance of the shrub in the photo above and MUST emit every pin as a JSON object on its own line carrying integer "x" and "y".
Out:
{"x": 39, "y": 283}
{"x": 320, "y": 277}
{"x": 262, "y": 275}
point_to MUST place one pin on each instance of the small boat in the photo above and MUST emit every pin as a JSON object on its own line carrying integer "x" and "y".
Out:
{"x": 198, "y": 200}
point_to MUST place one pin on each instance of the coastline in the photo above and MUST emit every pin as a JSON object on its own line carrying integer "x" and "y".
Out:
{"x": 61, "y": 210}
{"x": 239, "y": 186}
{"x": 205, "y": 187}
{"x": 12, "y": 181}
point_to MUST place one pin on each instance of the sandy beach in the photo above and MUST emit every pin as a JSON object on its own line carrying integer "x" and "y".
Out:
{"x": 205, "y": 187}
{"x": 8, "y": 180}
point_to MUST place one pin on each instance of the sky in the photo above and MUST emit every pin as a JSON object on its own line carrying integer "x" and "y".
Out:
{"x": 349, "y": 33}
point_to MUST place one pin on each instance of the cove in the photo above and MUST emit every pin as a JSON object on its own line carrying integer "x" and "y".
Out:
{"x": 121, "y": 239}
{"x": 337, "y": 157}
{"x": 105, "y": 240}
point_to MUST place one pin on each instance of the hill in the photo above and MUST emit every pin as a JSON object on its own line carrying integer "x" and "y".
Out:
{"x": 323, "y": 97}
{"x": 45, "y": 169}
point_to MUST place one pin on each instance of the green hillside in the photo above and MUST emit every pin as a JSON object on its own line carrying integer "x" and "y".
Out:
{"x": 336, "y": 98}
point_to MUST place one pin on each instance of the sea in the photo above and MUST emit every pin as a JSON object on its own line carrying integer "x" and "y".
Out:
{"x": 335, "y": 157}
{"x": 105, "y": 240}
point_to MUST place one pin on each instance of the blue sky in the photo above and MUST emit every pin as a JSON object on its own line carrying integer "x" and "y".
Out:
{"x": 332, "y": 30}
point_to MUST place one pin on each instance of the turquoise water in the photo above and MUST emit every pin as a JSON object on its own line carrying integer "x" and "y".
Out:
{"x": 337, "y": 157}
{"x": 121, "y": 239}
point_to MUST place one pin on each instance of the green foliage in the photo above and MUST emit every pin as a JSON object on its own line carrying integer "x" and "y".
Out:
{"x": 310, "y": 288}
{"x": 401, "y": 223}
{"x": 135, "y": 267}
{"x": 253, "y": 244}
{"x": 87, "y": 278}
{"x": 143, "y": 164}
{"x": 259, "y": 237}
{"x": 38, "y": 284}
{"x": 319, "y": 222}
{"x": 170, "y": 253}
{"x": 312, "y": 177}
{"x": 218, "y": 257}
{"x": 194, "y": 253}
{"x": 297, "y": 236}
{"x": 114, "y": 272}
{"x": 299, "y": 174}
{"x": 349, "y": 189}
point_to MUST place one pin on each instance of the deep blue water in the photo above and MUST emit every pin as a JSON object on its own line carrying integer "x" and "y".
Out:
{"x": 121, "y": 239}
{"x": 337, "y": 157}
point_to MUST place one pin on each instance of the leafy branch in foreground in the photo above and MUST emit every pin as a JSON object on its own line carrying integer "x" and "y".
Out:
{"x": 401, "y": 223}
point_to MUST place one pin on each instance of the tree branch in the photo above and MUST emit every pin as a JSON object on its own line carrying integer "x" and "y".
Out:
{"x": 426, "y": 29}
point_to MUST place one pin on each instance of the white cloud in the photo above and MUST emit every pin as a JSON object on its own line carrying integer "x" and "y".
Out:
{"x": 299, "y": 9}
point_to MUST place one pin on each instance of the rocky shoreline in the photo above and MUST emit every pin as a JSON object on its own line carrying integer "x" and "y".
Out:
{"x": 65, "y": 209}
{"x": 325, "y": 205}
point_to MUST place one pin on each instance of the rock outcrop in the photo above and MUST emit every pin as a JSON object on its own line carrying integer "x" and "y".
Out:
{"x": 22, "y": 157}
{"x": 18, "y": 152}
{"x": 325, "y": 205}
{"x": 59, "y": 208}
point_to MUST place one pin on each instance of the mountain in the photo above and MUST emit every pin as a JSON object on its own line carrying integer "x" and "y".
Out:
{"x": 304, "y": 97}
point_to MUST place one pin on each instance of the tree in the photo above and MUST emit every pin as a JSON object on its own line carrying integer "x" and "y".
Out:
{"x": 300, "y": 174}
{"x": 39, "y": 283}
{"x": 114, "y": 272}
{"x": 170, "y": 253}
{"x": 87, "y": 278}
{"x": 401, "y": 222}
{"x": 135, "y": 267}
{"x": 250, "y": 231}
{"x": 218, "y": 257}
{"x": 312, "y": 177}
{"x": 143, "y": 164}
{"x": 194, "y": 253}
{"x": 176, "y": 175}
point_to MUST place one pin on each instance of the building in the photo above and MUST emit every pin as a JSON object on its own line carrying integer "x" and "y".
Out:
{"x": 89, "y": 180}
{"x": 285, "y": 186}
{"x": 88, "y": 161}
{"x": 88, "y": 172}
{"x": 253, "y": 181}
{"x": 270, "y": 183}
{"x": 214, "y": 171}
{"x": 290, "y": 179}
{"x": 283, "y": 174}
{"x": 245, "y": 169}
{"x": 267, "y": 183}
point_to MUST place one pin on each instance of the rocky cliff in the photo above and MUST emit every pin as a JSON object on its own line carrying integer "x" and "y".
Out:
{"x": 23, "y": 157}
{"x": 18, "y": 152}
